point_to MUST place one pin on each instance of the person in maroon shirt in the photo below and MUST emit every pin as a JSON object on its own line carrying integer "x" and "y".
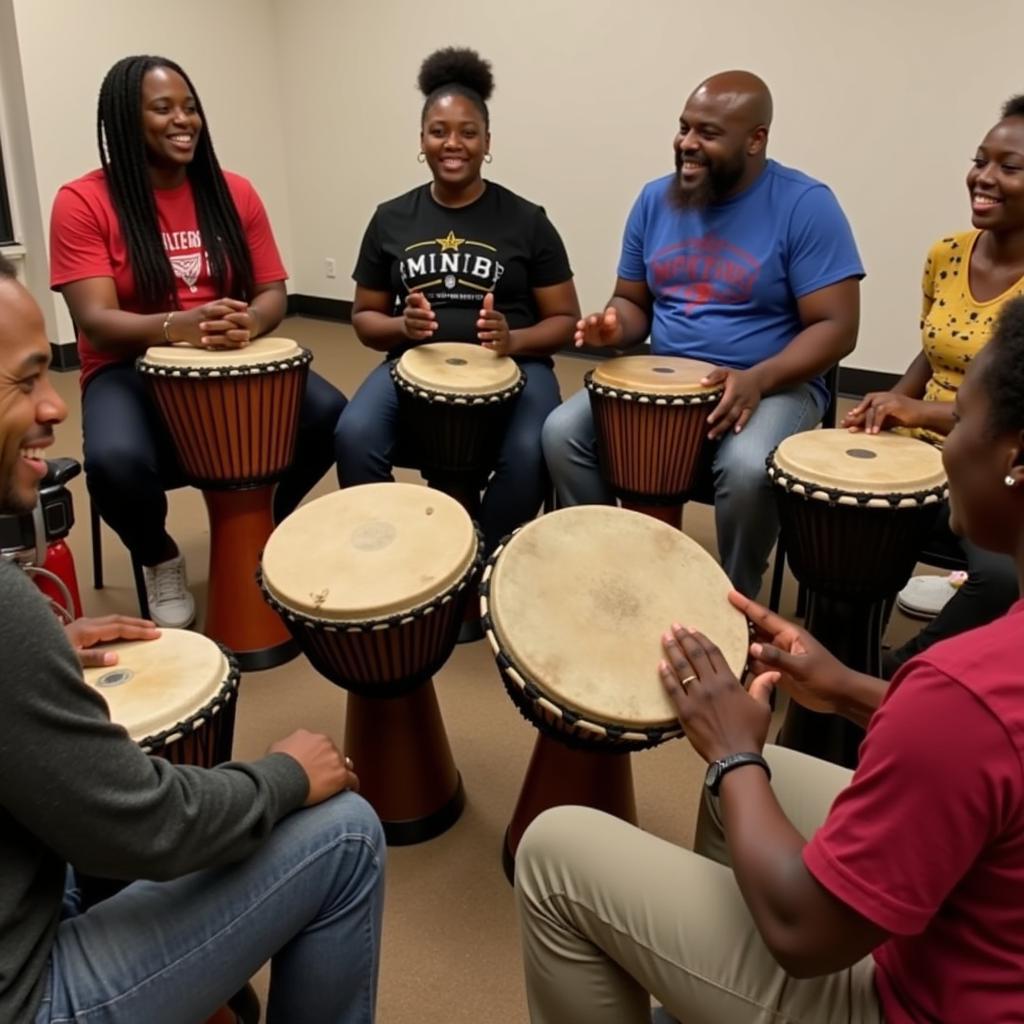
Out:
{"x": 894, "y": 894}
{"x": 161, "y": 246}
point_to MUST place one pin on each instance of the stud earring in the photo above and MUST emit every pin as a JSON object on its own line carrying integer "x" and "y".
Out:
{"x": 488, "y": 158}
{"x": 422, "y": 157}
{"x": 1009, "y": 481}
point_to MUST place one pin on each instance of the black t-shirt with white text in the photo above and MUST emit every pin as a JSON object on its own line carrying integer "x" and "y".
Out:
{"x": 455, "y": 255}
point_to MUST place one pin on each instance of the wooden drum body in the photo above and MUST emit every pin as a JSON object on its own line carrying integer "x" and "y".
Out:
{"x": 854, "y": 511}
{"x": 454, "y": 401}
{"x": 373, "y": 581}
{"x": 233, "y": 416}
{"x": 650, "y": 414}
{"x": 574, "y": 606}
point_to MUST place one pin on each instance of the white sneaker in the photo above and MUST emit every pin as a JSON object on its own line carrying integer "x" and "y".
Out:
{"x": 170, "y": 603}
{"x": 925, "y": 596}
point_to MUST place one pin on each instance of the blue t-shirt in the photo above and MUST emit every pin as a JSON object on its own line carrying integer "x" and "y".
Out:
{"x": 726, "y": 279}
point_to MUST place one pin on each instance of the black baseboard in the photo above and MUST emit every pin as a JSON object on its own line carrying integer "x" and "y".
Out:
{"x": 855, "y": 383}
{"x": 64, "y": 357}
{"x": 339, "y": 310}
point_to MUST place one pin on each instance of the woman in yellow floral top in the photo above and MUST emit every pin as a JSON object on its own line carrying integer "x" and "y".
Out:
{"x": 967, "y": 279}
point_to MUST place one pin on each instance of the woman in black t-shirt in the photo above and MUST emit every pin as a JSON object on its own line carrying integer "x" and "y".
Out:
{"x": 513, "y": 293}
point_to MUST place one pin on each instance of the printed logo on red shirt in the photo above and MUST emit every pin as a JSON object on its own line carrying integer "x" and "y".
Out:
{"x": 705, "y": 269}
{"x": 187, "y": 266}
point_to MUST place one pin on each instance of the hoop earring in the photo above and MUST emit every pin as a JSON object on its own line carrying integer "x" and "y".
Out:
{"x": 422, "y": 158}
{"x": 488, "y": 158}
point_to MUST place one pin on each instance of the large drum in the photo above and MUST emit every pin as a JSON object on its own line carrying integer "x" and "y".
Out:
{"x": 650, "y": 414}
{"x": 175, "y": 696}
{"x": 454, "y": 401}
{"x": 373, "y": 582}
{"x": 575, "y": 604}
{"x": 854, "y": 510}
{"x": 233, "y": 416}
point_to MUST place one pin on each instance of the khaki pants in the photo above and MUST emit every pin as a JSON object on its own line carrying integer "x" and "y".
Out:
{"x": 611, "y": 914}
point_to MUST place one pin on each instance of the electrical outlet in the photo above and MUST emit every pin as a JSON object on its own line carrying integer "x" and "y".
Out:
{"x": 330, "y": 268}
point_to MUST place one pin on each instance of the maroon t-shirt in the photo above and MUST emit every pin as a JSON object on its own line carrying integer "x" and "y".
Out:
{"x": 928, "y": 840}
{"x": 86, "y": 241}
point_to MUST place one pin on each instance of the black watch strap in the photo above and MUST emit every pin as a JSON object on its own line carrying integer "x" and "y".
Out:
{"x": 717, "y": 770}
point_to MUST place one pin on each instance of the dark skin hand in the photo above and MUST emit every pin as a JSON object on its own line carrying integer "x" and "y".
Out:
{"x": 807, "y": 930}
{"x": 85, "y": 634}
{"x": 830, "y": 317}
{"x": 223, "y": 323}
{"x": 327, "y": 769}
{"x": 903, "y": 406}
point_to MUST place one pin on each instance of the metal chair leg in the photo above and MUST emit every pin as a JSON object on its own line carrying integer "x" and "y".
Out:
{"x": 96, "y": 528}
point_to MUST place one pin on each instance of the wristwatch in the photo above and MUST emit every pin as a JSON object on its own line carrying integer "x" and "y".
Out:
{"x": 717, "y": 770}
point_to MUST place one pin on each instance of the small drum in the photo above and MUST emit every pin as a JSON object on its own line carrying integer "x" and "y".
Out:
{"x": 853, "y": 509}
{"x": 175, "y": 696}
{"x": 233, "y": 415}
{"x": 575, "y": 604}
{"x": 373, "y": 581}
{"x": 650, "y": 414}
{"x": 454, "y": 400}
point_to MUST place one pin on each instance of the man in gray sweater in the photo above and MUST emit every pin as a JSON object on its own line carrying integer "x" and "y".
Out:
{"x": 234, "y": 872}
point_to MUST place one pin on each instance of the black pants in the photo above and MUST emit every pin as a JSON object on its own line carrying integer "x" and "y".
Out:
{"x": 130, "y": 459}
{"x": 991, "y": 588}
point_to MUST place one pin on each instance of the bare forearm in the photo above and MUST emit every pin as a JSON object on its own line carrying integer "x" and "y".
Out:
{"x": 544, "y": 337}
{"x": 636, "y": 321}
{"x": 915, "y": 380}
{"x": 268, "y": 308}
{"x": 861, "y": 697}
{"x": 813, "y": 351}
{"x": 118, "y": 333}
{"x": 379, "y": 331}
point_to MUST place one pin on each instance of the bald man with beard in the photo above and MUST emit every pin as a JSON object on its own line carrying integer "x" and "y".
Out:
{"x": 741, "y": 262}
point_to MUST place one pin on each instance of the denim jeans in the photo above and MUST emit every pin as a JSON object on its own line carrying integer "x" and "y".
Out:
{"x": 367, "y": 435}
{"x": 130, "y": 459}
{"x": 172, "y": 952}
{"x": 746, "y": 516}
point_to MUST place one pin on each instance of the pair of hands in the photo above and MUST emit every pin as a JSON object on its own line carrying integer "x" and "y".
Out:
{"x": 883, "y": 410}
{"x": 739, "y": 401}
{"x": 419, "y": 322}
{"x": 221, "y": 324}
{"x": 720, "y": 716}
{"x": 327, "y": 769}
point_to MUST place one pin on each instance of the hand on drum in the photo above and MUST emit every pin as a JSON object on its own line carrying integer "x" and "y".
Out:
{"x": 327, "y": 769}
{"x": 419, "y": 321}
{"x": 492, "y": 328}
{"x": 85, "y": 634}
{"x": 789, "y": 657}
{"x": 880, "y": 410}
{"x": 719, "y": 716}
{"x": 599, "y": 330}
{"x": 224, "y": 323}
{"x": 738, "y": 403}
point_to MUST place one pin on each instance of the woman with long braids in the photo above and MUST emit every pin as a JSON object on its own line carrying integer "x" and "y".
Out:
{"x": 515, "y": 296}
{"x": 159, "y": 245}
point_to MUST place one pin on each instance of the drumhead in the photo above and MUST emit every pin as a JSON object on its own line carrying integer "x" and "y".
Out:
{"x": 579, "y": 600}
{"x": 261, "y": 352}
{"x": 656, "y": 375}
{"x": 369, "y": 552}
{"x": 826, "y": 463}
{"x": 158, "y": 684}
{"x": 457, "y": 368}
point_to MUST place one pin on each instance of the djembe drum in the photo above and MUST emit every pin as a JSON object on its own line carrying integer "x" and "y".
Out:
{"x": 650, "y": 414}
{"x": 373, "y": 581}
{"x": 575, "y": 604}
{"x": 854, "y": 510}
{"x": 233, "y": 415}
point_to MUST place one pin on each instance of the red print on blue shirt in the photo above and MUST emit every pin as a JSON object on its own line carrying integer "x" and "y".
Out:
{"x": 704, "y": 269}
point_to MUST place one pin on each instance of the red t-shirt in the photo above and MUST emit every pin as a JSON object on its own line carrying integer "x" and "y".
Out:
{"x": 86, "y": 241}
{"x": 928, "y": 840}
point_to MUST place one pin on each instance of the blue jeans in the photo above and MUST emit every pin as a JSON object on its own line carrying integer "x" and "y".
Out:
{"x": 746, "y": 515}
{"x": 130, "y": 459}
{"x": 172, "y": 952}
{"x": 367, "y": 434}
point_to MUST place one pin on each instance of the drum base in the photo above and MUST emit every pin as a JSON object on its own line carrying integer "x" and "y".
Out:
{"x": 237, "y": 616}
{"x": 852, "y": 632}
{"x": 406, "y": 770}
{"x": 560, "y": 775}
{"x": 671, "y": 514}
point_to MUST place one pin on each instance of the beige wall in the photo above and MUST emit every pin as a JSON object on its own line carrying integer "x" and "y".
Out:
{"x": 315, "y": 100}
{"x": 65, "y": 47}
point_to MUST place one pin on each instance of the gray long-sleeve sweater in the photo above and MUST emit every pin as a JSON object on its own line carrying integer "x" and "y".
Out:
{"x": 75, "y": 789}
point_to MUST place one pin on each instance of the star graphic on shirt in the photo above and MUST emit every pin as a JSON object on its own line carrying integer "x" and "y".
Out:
{"x": 449, "y": 242}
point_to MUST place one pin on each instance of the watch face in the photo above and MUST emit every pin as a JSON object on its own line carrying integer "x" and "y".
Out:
{"x": 713, "y": 775}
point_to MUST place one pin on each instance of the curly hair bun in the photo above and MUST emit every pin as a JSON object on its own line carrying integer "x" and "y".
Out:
{"x": 456, "y": 66}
